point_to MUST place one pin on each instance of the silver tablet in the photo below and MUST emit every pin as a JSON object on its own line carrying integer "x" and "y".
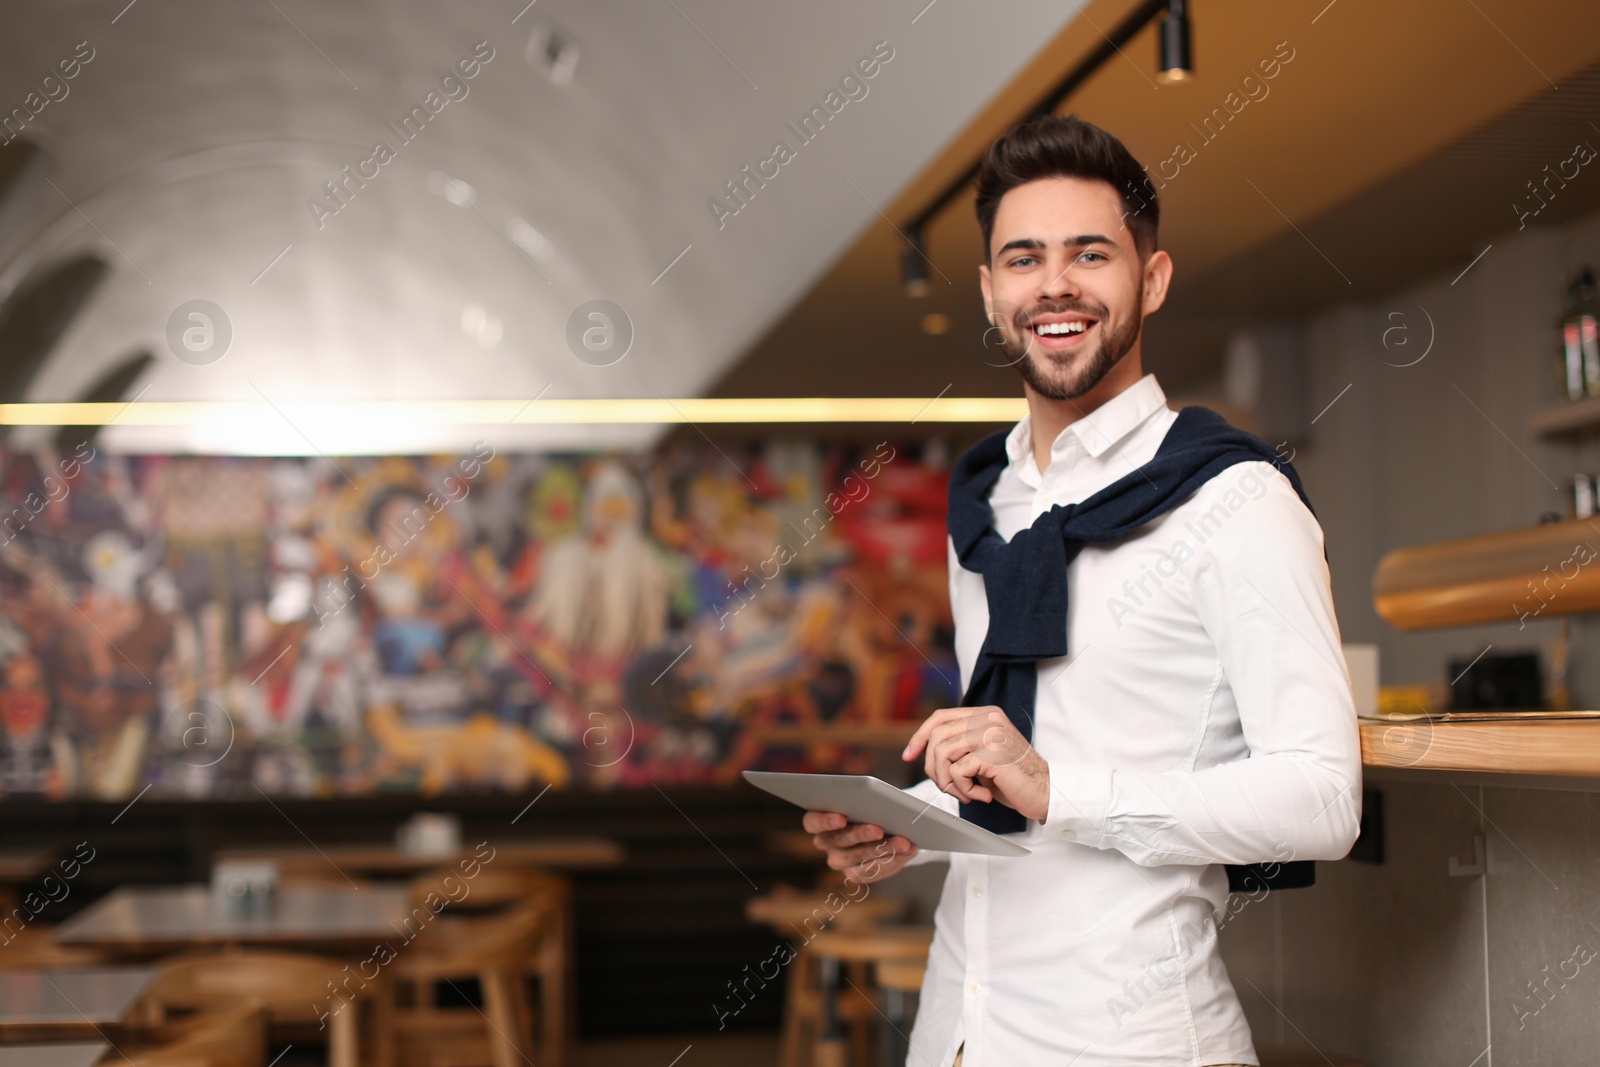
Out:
{"x": 863, "y": 798}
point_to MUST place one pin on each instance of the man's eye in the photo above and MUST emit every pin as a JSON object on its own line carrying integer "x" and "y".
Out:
{"x": 1091, "y": 257}
{"x": 1024, "y": 261}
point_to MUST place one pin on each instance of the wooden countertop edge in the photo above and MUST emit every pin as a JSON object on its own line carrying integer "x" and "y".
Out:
{"x": 1559, "y": 747}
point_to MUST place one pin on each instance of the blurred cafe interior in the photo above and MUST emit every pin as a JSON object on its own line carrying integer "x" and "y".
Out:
{"x": 444, "y": 446}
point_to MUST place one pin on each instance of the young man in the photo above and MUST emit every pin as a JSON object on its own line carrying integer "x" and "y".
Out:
{"x": 1186, "y": 707}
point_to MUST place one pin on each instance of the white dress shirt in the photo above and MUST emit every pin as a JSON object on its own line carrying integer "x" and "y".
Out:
{"x": 1202, "y": 716}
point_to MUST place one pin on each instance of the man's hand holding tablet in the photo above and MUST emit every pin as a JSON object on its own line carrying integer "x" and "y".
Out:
{"x": 857, "y": 849}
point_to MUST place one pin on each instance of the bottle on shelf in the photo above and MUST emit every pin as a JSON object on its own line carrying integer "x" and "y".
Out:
{"x": 1572, "y": 377}
{"x": 1586, "y": 316}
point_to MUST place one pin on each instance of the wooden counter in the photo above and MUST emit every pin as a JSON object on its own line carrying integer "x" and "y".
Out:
{"x": 1539, "y": 743}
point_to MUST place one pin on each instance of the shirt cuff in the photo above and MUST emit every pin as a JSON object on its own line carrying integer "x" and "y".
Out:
{"x": 1080, "y": 796}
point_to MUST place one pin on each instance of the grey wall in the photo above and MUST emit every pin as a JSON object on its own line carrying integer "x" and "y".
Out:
{"x": 1403, "y": 964}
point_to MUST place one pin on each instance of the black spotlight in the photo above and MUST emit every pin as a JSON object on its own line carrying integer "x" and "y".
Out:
{"x": 914, "y": 266}
{"x": 1176, "y": 62}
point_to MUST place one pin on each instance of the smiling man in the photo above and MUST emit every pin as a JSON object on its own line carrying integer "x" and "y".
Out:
{"x": 1155, "y": 691}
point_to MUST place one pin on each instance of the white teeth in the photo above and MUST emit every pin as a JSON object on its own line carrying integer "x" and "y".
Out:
{"x": 1054, "y": 328}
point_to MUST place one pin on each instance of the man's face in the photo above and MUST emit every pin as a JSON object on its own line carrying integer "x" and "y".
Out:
{"x": 1065, "y": 287}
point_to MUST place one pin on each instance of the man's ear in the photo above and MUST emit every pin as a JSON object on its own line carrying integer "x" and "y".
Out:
{"x": 987, "y": 288}
{"x": 1157, "y": 276}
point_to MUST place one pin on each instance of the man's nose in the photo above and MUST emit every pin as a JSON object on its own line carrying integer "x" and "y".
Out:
{"x": 1060, "y": 281}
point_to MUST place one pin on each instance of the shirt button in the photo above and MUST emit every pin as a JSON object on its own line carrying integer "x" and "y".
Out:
{"x": 1069, "y": 835}
{"x": 976, "y": 988}
{"x": 977, "y": 890}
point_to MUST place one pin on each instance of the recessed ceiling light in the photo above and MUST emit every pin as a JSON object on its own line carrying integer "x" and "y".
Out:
{"x": 525, "y": 236}
{"x": 454, "y": 190}
{"x": 482, "y": 325}
{"x": 935, "y": 323}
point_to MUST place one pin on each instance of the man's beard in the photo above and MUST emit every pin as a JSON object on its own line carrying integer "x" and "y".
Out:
{"x": 1070, "y": 376}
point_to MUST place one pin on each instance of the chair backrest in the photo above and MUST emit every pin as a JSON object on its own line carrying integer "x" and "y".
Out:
{"x": 234, "y": 1036}
{"x": 505, "y": 939}
{"x": 287, "y": 985}
{"x": 492, "y": 887}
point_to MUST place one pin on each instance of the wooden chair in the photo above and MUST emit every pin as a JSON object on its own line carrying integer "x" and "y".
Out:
{"x": 297, "y": 992}
{"x": 865, "y": 948}
{"x": 800, "y": 916}
{"x": 234, "y": 1036}
{"x": 552, "y": 962}
{"x": 496, "y": 950}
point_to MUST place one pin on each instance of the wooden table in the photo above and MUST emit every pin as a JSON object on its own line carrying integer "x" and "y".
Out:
{"x": 150, "y": 920}
{"x": 20, "y": 867}
{"x": 387, "y": 860}
{"x": 76, "y": 1054}
{"x": 67, "y": 1004}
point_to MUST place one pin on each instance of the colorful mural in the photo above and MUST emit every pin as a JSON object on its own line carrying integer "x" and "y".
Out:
{"x": 216, "y": 626}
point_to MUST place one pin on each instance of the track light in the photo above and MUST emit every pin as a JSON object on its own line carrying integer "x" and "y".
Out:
{"x": 1176, "y": 62}
{"x": 914, "y": 266}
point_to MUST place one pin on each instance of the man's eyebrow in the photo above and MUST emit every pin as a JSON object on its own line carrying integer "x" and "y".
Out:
{"x": 1033, "y": 244}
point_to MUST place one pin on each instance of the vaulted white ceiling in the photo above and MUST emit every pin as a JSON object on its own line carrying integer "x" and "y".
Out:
{"x": 190, "y": 149}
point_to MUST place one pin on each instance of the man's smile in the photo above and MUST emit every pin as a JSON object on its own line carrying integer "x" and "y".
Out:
{"x": 1061, "y": 333}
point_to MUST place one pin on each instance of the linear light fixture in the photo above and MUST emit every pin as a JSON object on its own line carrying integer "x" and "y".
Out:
{"x": 224, "y": 413}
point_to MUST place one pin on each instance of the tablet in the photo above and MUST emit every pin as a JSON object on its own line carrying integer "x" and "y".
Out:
{"x": 863, "y": 798}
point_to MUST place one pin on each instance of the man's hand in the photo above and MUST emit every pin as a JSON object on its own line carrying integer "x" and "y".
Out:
{"x": 857, "y": 849}
{"x": 977, "y": 754}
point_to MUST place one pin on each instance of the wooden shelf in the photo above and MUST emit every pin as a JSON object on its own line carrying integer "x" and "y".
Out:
{"x": 1567, "y": 420}
{"x": 1536, "y": 746}
{"x": 1503, "y": 576}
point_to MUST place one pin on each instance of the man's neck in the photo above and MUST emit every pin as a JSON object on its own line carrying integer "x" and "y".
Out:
{"x": 1048, "y": 417}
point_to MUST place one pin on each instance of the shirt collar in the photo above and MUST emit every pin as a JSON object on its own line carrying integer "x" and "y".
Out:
{"x": 1099, "y": 431}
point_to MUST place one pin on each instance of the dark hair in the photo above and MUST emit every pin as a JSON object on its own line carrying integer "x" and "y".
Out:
{"x": 1052, "y": 146}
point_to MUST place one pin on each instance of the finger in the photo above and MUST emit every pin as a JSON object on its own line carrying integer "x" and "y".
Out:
{"x": 962, "y": 772}
{"x": 937, "y": 755}
{"x": 943, "y": 753}
{"x": 873, "y": 872}
{"x": 817, "y": 821}
{"x": 952, "y": 738}
{"x": 948, "y": 783}
{"x": 842, "y": 859}
{"x": 920, "y": 738}
{"x": 894, "y": 854}
{"x": 855, "y": 834}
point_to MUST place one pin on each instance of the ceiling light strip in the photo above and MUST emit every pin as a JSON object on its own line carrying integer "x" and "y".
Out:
{"x": 524, "y": 412}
